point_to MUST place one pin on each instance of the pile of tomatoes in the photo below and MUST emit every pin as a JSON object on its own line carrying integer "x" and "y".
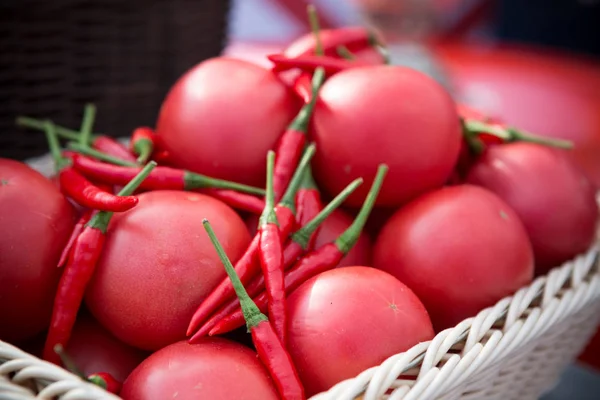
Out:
{"x": 470, "y": 210}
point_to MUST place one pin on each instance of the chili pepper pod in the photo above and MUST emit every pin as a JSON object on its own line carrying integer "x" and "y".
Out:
{"x": 83, "y": 257}
{"x": 84, "y": 219}
{"x": 237, "y": 200}
{"x": 270, "y": 349}
{"x": 248, "y": 266}
{"x": 78, "y": 188}
{"x": 323, "y": 259}
{"x": 103, "y": 379}
{"x": 295, "y": 247}
{"x": 113, "y": 148}
{"x": 142, "y": 143}
{"x": 291, "y": 143}
{"x": 271, "y": 256}
{"x": 302, "y": 87}
{"x": 308, "y": 199}
{"x": 161, "y": 178}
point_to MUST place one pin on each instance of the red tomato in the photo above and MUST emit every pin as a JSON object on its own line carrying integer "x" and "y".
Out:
{"x": 214, "y": 369}
{"x": 330, "y": 229}
{"x": 222, "y": 116}
{"x": 555, "y": 201}
{"x": 346, "y": 320}
{"x": 36, "y": 221}
{"x": 95, "y": 350}
{"x": 158, "y": 265}
{"x": 460, "y": 249}
{"x": 385, "y": 114}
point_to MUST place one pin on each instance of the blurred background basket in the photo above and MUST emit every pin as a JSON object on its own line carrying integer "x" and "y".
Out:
{"x": 123, "y": 55}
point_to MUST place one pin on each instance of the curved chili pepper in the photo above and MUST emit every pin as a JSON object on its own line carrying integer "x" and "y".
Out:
{"x": 112, "y": 147}
{"x": 162, "y": 178}
{"x": 302, "y": 87}
{"x": 324, "y": 258}
{"x": 237, "y": 200}
{"x": 80, "y": 267}
{"x": 299, "y": 244}
{"x": 269, "y": 347}
{"x": 98, "y": 155}
{"x": 248, "y": 266}
{"x": 77, "y": 187}
{"x": 74, "y": 234}
{"x": 271, "y": 255}
{"x": 142, "y": 143}
{"x": 291, "y": 143}
{"x": 311, "y": 63}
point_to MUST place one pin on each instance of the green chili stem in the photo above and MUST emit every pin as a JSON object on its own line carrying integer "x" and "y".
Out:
{"x": 68, "y": 362}
{"x": 143, "y": 148}
{"x": 101, "y": 219}
{"x": 302, "y": 235}
{"x": 197, "y": 181}
{"x": 350, "y": 236}
{"x": 252, "y": 314}
{"x": 60, "y": 162}
{"x": 289, "y": 197}
{"x": 302, "y": 120}
{"x": 313, "y": 19}
{"x": 268, "y": 216}
{"x": 97, "y": 380}
{"x": 89, "y": 116}
{"x": 343, "y": 52}
{"x": 99, "y": 155}
{"x": 61, "y": 131}
{"x": 308, "y": 181}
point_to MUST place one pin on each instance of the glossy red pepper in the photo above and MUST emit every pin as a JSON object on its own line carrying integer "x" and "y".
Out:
{"x": 298, "y": 244}
{"x": 142, "y": 143}
{"x": 324, "y": 258}
{"x": 269, "y": 347}
{"x": 112, "y": 147}
{"x": 237, "y": 200}
{"x": 76, "y": 231}
{"x": 302, "y": 86}
{"x": 248, "y": 266}
{"x": 78, "y": 188}
{"x": 311, "y": 63}
{"x": 83, "y": 257}
{"x": 162, "y": 178}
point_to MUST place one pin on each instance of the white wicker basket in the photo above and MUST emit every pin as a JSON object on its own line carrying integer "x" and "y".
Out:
{"x": 514, "y": 350}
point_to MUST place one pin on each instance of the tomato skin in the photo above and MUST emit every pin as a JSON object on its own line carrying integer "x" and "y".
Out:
{"x": 346, "y": 320}
{"x": 36, "y": 221}
{"x": 555, "y": 201}
{"x": 330, "y": 229}
{"x": 215, "y": 369}
{"x": 222, "y": 116}
{"x": 158, "y": 265}
{"x": 95, "y": 350}
{"x": 460, "y": 249}
{"x": 385, "y": 114}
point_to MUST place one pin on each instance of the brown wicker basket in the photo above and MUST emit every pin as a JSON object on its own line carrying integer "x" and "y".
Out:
{"x": 122, "y": 55}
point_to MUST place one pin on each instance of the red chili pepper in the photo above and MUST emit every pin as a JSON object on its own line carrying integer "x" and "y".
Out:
{"x": 76, "y": 231}
{"x": 302, "y": 86}
{"x": 299, "y": 244}
{"x": 308, "y": 199}
{"x": 311, "y": 63}
{"x": 271, "y": 255}
{"x": 103, "y": 379}
{"x": 324, "y": 258}
{"x": 106, "y": 381}
{"x": 269, "y": 347}
{"x": 248, "y": 266}
{"x": 142, "y": 143}
{"x": 80, "y": 267}
{"x": 354, "y": 39}
{"x": 162, "y": 178}
{"x": 293, "y": 139}
{"x": 77, "y": 187}
{"x": 237, "y": 200}
{"x": 161, "y": 157}
{"x": 112, "y": 147}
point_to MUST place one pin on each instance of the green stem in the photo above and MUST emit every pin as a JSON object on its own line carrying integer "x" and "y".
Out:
{"x": 522, "y": 136}
{"x": 308, "y": 182}
{"x": 89, "y": 115}
{"x": 289, "y": 197}
{"x": 97, "y": 380}
{"x": 88, "y": 151}
{"x": 302, "y": 235}
{"x": 101, "y": 219}
{"x": 384, "y": 53}
{"x": 313, "y": 19}
{"x": 302, "y": 120}
{"x": 343, "y": 52}
{"x": 350, "y": 236}
{"x": 143, "y": 148}
{"x": 60, "y": 162}
{"x": 61, "y": 131}
{"x": 251, "y": 312}
{"x": 68, "y": 362}
{"x": 268, "y": 216}
{"x": 197, "y": 181}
